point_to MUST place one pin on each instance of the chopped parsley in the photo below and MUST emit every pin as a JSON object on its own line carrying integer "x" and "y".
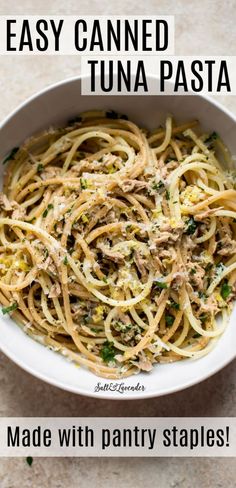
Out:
{"x": 212, "y": 137}
{"x": 40, "y": 168}
{"x": 157, "y": 186}
{"x": 169, "y": 320}
{"x": 195, "y": 336}
{"x": 11, "y": 155}
{"x": 107, "y": 352}
{"x": 167, "y": 195}
{"x": 65, "y": 260}
{"x": 49, "y": 207}
{"x": 29, "y": 460}
{"x": 192, "y": 271}
{"x": 160, "y": 284}
{"x": 121, "y": 327}
{"x": 9, "y": 309}
{"x": 225, "y": 290}
{"x": 83, "y": 184}
{"x": 191, "y": 226}
{"x": 175, "y": 305}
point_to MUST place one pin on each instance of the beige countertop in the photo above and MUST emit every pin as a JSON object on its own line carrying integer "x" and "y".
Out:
{"x": 204, "y": 27}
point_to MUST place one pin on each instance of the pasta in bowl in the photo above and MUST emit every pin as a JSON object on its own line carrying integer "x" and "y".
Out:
{"x": 117, "y": 243}
{"x": 57, "y": 320}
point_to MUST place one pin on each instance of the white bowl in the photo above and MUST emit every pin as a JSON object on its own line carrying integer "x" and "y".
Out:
{"x": 56, "y": 105}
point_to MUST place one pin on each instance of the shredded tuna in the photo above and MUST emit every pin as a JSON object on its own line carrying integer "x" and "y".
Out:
{"x": 196, "y": 274}
{"x": 55, "y": 291}
{"x": 115, "y": 256}
{"x": 131, "y": 185}
{"x": 144, "y": 363}
{"x": 141, "y": 264}
{"x": 4, "y": 203}
{"x": 226, "y": 246}
{"x": 210, "y": 305}
{"x": 179, "y": 278}
{"x": 203, "y": 215}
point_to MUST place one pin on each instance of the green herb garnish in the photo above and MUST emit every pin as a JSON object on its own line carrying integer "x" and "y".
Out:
{"x": 169, "y": 320}
{"x": 225, "y": 290}
{"x": 29, "y": 460}
{"x": 65, "y": 260}
{"x": 157, "y": 186}
{"x": 191, "y": 226}
{"x": 121, "y": 327}
{"x": 49, "y": 207}
{"x": 160, "y": 284}
{"x": 9, "y": 309}
{"x": 83, "y": 184}
{"x": 212, "y": 137}
{"x": 107, "y": 352}
{"x": 175, "y": 305}
{"x": 167, "y": 195}
{"x": 40, "y": 168}
{"x": 10, "y": 155}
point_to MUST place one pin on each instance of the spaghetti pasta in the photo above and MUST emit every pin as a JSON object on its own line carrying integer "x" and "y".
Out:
{"x": 117, "y": 246}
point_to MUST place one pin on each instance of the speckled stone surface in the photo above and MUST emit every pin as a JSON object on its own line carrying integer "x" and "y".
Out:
{"x": 203, "y": 27}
